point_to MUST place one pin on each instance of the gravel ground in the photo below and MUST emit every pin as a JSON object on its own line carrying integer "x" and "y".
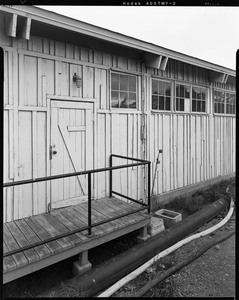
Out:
{"x": 210, "y": 275}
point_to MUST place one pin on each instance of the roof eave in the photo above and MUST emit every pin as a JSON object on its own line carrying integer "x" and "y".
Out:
{"x": 58, "y": 20}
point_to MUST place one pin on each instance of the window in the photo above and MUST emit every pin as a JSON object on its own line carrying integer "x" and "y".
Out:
{"x": 182, "y": 98}
{"x": 219, "y": 102}
{"x": 198, "y": 99}
{"x": 224, "y": 102}
{"x": 230, "y": 103}
{"x": 123, "y": 91}
{"x": 161, "y": 95}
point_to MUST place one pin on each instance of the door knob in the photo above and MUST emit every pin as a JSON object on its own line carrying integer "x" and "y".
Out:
{"x": 54, "y": 152}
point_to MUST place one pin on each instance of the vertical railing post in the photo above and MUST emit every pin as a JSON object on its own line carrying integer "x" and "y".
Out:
{"x": 110, "y": 175}
{"x": 89, "y": 203}
{"x": 149, "y": 183}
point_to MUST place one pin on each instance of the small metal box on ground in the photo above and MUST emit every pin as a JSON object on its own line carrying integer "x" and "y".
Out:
{"x": 170, "y": 217}
{"x": 156, "y": 226}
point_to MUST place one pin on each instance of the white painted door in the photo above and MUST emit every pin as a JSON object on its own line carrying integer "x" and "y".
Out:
{"x": 71, "y": 150}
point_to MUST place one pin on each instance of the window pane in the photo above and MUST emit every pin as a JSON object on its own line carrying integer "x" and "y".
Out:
{"x": 114, "y": 82}
{"x": 177, "y": 90}
{"x": 114, "y": 96}
{"x": 155, "y": 87}
{"x": 167, "y": 103}
{"x": 168, "y": 89}
{"x": 162, "y": 88}
{"x": 232, "y": 98}
{"x": 228, "y": 108}
{"x": 123, "y": 83}
{"x": 196, "y": 93}
{"x": 161, "y": 102}
{"x": 181, "y": 91}
{"x": 132, "y": 100}
{"x": 181, "y": 104}
{"x": 203, "y": 106}
{"x": 194, "y": 105}
{"x": 220, "y": 96}
{"x": 187, "y": 92}
{"x": 177, "y": 103}
{"x": 114, "y": 99}
{"x": 154, "y": 102}
{"x": 221, "y": 109}
{"x": 199, "y": 106}
{"x": 132, "y": 84}
{"x": 123, "y": 100}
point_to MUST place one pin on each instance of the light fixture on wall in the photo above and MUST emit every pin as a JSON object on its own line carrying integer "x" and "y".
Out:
{"x": 77, "y": 80}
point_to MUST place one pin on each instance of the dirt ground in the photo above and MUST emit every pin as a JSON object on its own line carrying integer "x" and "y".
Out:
{"x": 211, "y": 275}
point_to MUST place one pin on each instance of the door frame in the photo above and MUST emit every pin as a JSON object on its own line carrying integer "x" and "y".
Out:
{"x": 94, "y": 101}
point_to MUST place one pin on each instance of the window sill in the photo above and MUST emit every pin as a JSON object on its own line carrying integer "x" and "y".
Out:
{"x": 224, "y": 115}
{"x": 179, "y": 112}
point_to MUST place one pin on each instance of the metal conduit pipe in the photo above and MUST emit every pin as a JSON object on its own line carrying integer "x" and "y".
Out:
{"x": 106, "y": 274}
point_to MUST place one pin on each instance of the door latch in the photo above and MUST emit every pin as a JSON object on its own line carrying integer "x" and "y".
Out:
{"x": 51, "y": 151}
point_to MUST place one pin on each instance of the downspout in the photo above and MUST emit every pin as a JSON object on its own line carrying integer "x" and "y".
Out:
{"x": 116, "y": 268}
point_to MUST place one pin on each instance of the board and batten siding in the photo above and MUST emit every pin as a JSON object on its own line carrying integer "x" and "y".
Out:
{"x": 195, "y": 147}
{"x": 35, "y": 69}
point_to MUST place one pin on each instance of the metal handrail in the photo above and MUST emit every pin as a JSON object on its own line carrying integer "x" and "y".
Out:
{"x": 89, "y": 172}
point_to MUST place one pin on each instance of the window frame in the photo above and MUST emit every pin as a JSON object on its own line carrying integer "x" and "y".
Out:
{"x": 171, "y": 94}
{"x": 225, "y": 103}
{"x": 175, "y": 97}
{"x": 136, "y": 92}
{"x": 207, "y": 99}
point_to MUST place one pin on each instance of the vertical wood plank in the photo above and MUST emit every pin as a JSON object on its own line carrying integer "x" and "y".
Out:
{"x": 107, "y": 59}
{"x": 193, "y": 140}
{"x": 180, "y": 156}
{"x": 101, "y": 87}
{"x": 84, "y": 54}
{"x": 74, "y": 91}
{"x": 37, "y": 44}
{"x": 60, "y": 49}
{"x": 17, "y": 93}
{"x": 34, "y": 162}
{"x": 41, "y": 158}
{"x": 23, "y": 207}
{"x": 88, "y": 82}
{"x": 30, "y": 76}
{"x": 69, "y": 51}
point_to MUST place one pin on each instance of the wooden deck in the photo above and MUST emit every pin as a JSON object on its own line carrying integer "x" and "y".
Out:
{"x": 27, "y": 231}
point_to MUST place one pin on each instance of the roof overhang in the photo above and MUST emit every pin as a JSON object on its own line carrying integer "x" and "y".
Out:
{"x": 154, "y": 56}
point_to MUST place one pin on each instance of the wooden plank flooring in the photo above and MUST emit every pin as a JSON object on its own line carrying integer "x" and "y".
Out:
{"x": 27, "y": 231}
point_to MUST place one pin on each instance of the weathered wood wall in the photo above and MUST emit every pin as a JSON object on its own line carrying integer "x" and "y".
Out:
{"x": 195, "y": 147}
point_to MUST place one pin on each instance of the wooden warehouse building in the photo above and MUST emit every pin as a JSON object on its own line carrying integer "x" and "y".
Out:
{"x": 74, "y": 94}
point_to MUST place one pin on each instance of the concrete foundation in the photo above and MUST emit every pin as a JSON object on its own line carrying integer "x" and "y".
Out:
{"x": 82, "y": 265}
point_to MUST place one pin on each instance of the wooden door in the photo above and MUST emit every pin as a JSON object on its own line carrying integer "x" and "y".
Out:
{"x": 71, "y": 150}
